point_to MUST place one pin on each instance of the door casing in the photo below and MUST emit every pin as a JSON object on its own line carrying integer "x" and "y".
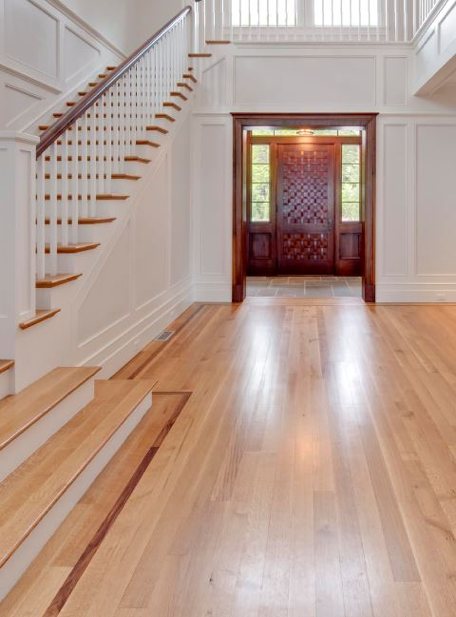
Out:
{"x": 242, "y": 122}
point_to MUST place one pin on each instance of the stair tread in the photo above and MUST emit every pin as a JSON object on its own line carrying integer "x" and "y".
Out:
{"x": 97, "y": 220}
{"x": 100, "y": 197}
{"x": 165, "y": 117}
{"x": 39, "y": 317}
{"x": 80, "y": 247}
{"x": 30, "y": 491}
{"x": 51, "y": 281}
{"x": 5, "y": 365}
{"x": 159, "y": 129}
{"x": 19, "y": 412}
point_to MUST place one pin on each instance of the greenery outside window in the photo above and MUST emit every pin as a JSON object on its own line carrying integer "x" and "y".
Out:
{"x": 351, "y": 182}
{"x": 260, "y": 184}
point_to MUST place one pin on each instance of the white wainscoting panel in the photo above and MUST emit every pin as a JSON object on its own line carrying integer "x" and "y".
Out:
{"x": 180, "y": 190}
{"x": 96, "y": 314}
{"x": 436, "y": 50}
{"x": 17, "y": 100}
{"x": 317, "y": 81}
{"x": 79, "y": 54}
{"x": 213, "y": 190}
{"x": 395, "y": 81}
{"x": 151, "y": 240}
{"x": 46, "y": 56}
{"x": 32, "y": 34}
{"x": 447, "y": 28}
{"x": 212, "y": 207}
{"x": 395, "y": 199}
{"x": 436, "y": 199}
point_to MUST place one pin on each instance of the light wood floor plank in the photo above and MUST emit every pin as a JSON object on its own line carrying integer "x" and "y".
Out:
{"x": 311, "y": 473}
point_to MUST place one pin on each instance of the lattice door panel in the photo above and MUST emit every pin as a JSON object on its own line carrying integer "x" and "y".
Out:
{"x": 306, "y": 247}
{"x": 306, "y": 187}
{"x": 305, "y": 208}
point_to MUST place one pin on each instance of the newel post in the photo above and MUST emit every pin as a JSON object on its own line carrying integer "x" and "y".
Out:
{"x": 17, "y": 235}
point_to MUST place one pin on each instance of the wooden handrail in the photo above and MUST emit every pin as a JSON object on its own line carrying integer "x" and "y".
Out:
{"x": 57, "y": 129}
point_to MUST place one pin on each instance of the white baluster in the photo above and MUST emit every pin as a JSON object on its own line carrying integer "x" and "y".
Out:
{"x": 213, "y": 34}
{"x": 53, "y": 209}
{"x": 64, "y": 209}
{"x": 93, "y": 161}
{"x": 341, "y": 21}
{"x": 396, "y": 21}
{"x": 350, "y": 36}
{"x": 115, "y": 129}
{"x": 40, "y": 217}
{"x": 101, "y": 144}
{"x": 368, "y": 20}
{"x": 121, "y": 124}
{"x": 84, "y": 183}
{"x": 359, "y": 20}
{"x": 74, "y": 188}
{"x": 109, "y": 142}
{"x": 277, "y": 19}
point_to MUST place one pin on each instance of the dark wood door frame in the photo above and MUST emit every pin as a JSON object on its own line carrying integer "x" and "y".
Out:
{"x": 244, "y": 121}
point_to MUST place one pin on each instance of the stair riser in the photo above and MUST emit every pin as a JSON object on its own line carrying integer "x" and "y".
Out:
{"x": 128, "y": 167}
{"x": 148, "y": 152}
{"x": 6, "y": 383}
{"x": 104, "y": 208}
{"x": 73, "y": 263}
{"x": 30, "y": 548}
{"x": 119, "y": 187}
{"x": 23, "y": 446}
{"x": 86, "y": 233}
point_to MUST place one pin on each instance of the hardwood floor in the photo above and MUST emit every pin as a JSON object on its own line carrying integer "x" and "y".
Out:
{"x": 310, "y": 473}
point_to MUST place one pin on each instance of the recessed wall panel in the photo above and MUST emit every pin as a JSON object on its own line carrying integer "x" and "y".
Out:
{"x": 213, "y": 191}
{"x": 436, "y": 199}
{"x": 310, "y": 81}
{"x": 395, "y": 235}
{"x": 32, "y": 36}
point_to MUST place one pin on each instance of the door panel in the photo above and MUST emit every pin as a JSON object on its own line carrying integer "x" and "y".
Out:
{"x": 305, "y": 209}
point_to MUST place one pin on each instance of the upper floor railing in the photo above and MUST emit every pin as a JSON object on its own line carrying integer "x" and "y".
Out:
{"x": 385, "y": 21}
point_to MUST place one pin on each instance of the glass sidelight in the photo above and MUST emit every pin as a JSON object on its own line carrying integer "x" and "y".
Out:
{"x": 351, "y": 183}
{"x": 260, "y": 184}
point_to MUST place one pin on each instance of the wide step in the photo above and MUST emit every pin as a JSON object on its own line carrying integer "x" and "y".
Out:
{"x": 18, "y": 413}
{"x": 34, "y": 491}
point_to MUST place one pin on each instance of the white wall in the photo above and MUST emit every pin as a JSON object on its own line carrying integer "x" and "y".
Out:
{"x": 416, "y": 201}
{"x": 50, "y": 49}
{"x": 45, "y": 55}
{"x": 113, "y": 19}
{"x": 151, "y": 15}
{"x": 143, "y": 281}
{"x": 435, "y": 51}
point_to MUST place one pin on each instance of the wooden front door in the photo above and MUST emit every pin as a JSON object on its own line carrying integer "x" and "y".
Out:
{"x": 305, "y": 209}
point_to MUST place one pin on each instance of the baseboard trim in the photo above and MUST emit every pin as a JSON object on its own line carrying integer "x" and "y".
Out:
{"x": 212, "y": 292}
{"x": 422, "y": 293}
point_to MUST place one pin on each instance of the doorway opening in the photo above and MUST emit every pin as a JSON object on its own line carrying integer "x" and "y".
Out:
{"x": 304, "y": 205}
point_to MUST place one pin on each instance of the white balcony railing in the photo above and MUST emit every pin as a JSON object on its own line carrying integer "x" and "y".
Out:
{"x": 385, "y": 21}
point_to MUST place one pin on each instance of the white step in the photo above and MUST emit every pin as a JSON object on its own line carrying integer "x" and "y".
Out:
{"x": 29, "y": 418}
{"x": 43, "y": 491}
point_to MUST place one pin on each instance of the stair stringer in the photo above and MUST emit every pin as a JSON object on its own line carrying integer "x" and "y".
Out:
{"x": 56, "y": 341}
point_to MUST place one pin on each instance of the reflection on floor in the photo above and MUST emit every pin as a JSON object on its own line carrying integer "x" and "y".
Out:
{"x": 304, "y": 287}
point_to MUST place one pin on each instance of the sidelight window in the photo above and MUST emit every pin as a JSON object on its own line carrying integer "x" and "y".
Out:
{"x": 351, "y": 182}
{"x": 260, "y": 184}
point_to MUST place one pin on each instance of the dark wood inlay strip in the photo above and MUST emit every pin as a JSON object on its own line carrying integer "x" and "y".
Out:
{"x": 65, "y": 591}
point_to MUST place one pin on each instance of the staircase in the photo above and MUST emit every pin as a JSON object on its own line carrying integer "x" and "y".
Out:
{"x": 58, "y": 433}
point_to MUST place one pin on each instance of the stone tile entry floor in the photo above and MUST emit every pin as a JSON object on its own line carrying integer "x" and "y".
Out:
{"x": 304, "y": 287}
